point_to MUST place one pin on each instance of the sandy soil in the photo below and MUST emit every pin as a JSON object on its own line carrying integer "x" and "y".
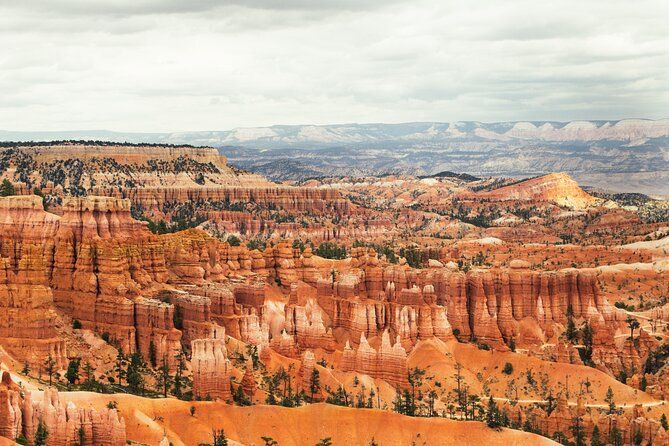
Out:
{"x": 148, "y": 419}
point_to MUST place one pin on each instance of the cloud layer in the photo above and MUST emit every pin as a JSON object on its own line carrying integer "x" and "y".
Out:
{"x": 150, "y": 65}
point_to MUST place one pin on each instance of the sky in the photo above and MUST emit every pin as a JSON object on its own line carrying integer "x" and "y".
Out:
{"x": 186, "y": 65}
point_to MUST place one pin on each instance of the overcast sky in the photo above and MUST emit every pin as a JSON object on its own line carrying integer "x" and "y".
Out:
{"x": 176, "y": 65}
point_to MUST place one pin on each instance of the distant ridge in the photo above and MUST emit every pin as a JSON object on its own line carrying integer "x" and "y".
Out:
{"x": 374, "y": 133}
{"x": 449, "y": 174}
{"x": 618, "y": 155}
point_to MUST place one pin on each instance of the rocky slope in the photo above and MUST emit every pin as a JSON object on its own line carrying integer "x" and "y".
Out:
{"x": 558, "y": 188}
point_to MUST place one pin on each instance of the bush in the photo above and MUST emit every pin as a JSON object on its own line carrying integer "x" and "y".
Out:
{"x": 76, "y": 324}
{"x": 233, "y": 240}
{"x": 508, "y": 368}
{"x": 256, "y": 244}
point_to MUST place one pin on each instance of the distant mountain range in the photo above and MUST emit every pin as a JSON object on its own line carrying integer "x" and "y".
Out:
{"x": 626, "y": 155}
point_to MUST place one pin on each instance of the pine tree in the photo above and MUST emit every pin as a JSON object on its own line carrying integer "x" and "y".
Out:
{"x": 219, "y": 438}
{"x": 577, "y": 431}
{"x": 610, "y": 401}
{"x": 81, "y": 434}
{"x": 415, "y": 378}
{"x": 633, "y": 325}
{"x": 595, "y": 440}
{"x": 570, "y": 333}
{"x": 616, "y": 437}
{"x": 41, "y": 434}
{"x": 314, "y": 382}
{"x": 179, "y": 380}
{"x": 398, "y": 402}
{"x": 164, "y": 379}
{"x": 492, "y": 414}
{"x": 152, "y": 354}
{"x": 664, "y": 422}
{"x": 7, "y": 188}
{"x": 135, "y": 373}
{"x": 119, "y": 367}
{"x": 239, "y": 397}
{"x": 587, "y": 342}
{"x": 50, "y": 368}
{"x": 72, "y": 373}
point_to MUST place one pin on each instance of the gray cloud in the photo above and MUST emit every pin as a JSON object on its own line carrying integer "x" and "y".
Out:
{"x": 204, "y": 64}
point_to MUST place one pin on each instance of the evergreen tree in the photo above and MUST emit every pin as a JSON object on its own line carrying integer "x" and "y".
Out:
{"x": 50, "y": 367}
{"x": 269, "y": 441}
{"x": 595, "y": 440}
{"x": 325, "y": 442}
{"x": 179, "y": 381}
{"x": 219, "y": 438}
{"x": 7, "y": 188}
{"x": 89, "y": 371}
{"x": 81, "y": 434}
{"x": 633, "y": 325}
{"x": 398, "y": 402}
{"x": 72, "y": 373}
{"x": 314, "y": 382}
{"x": 431, "y": 400}
{"x": 550, "y": 403}
{"x": 577, "y": 431}
{"x": 664, "y": 422}
{"x": 119, "y": 367}
{"x": 415, "y": 378}
{"x": 41, "y": 434}
{"x": 240, "y": 398}
{"x": 135, "y": 373}
{"x": 560, "y": 437}
{"x": 610, "y": 400}
{"x": 587, "y": 342}
{"x": 616, "y": 436}
{"x": 339, "y": 398}
{"x": 164, "y": 379}
{"x": 492, "y": 414}
{"x": 152, "y": 354}
{"x": 26, "y": 369}
{"x": 570, "y": 332}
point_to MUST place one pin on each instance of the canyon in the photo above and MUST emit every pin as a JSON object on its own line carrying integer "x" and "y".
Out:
{"x": 189, "y": 295}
